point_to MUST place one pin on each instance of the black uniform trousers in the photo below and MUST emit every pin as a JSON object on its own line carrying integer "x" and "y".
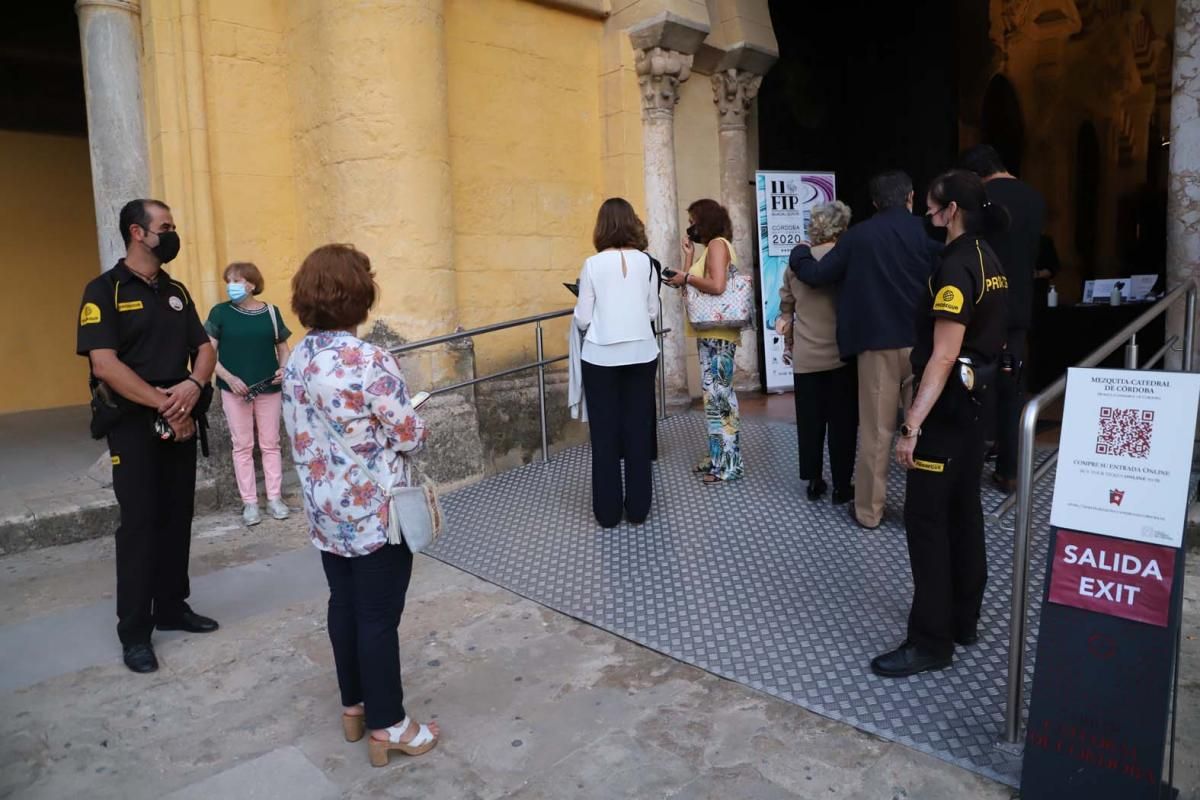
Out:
{"x": 366, "y": 600}
{"x": 827, "y": 405}
{"x": 943, "y": 519}
{"x": 155, "y": 484}
{"x": 1010, "y": 399}
{"x": 621, "y": 424}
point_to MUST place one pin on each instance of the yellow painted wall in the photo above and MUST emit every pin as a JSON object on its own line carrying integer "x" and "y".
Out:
{"x": 48, "y": 252}
{"x": 525, "y": 156}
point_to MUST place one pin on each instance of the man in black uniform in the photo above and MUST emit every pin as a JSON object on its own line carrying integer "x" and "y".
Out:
{"x": 960, "y": 337}
{"x": 139, "y": 329}
{"x": 1017, "y": 248}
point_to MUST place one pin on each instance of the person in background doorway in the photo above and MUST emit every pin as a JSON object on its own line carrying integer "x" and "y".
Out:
{"x": 251, "y": 342}
{"x": 709, "y": 226}
{"x": 960, "y": 337}
{"x": 1017, "y": 248}
{"x": 882, "y": 268}
{"x": 139, "y": 329}
{"x": 339, "y": 394}
{"x": 618, "y": 298}
{"x": 826, "y": 388}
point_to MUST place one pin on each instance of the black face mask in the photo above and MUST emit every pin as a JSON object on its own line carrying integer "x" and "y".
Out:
{"x": 933, "y": 231}
{"x": 167, "y": 247}
{"x": 693, "y": 234}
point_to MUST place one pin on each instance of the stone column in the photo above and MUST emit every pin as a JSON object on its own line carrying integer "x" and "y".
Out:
{"x": 1183, "y": 192}
{"x": 111, "y": 45}
{"x": 660, "y": 71}
{"x": 733, "y": 92}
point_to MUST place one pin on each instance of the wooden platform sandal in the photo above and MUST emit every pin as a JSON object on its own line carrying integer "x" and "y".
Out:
{"x": 422, "y": 743}
{"x": 354, "y": 726}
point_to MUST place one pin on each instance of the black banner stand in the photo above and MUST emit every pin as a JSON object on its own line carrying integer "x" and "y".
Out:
{"x": 1103, "y": 688}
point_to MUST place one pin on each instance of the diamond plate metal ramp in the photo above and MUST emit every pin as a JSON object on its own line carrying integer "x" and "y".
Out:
{"x": 752, "y": 582}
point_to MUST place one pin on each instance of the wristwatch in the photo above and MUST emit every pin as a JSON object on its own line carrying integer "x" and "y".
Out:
{"x": 909, "y": 432}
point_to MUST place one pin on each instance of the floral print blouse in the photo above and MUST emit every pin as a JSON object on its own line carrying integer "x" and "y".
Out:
{"x": 335, "y": 377}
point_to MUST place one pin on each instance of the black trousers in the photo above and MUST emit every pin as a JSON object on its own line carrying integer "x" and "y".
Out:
{"x": 827, "y": 406}
{"x": 621, "y": 424}
{"x": 155, "y": 485}
{"x": 1010, "y": 399}
{"x": 943, "y": 519}
{"x": 366, "y": 599}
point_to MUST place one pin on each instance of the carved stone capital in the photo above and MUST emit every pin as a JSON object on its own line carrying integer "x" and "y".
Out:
{"x": 132, "y": 6}
{"x": 733, "y": 92}
{"x": 659, "y": 73}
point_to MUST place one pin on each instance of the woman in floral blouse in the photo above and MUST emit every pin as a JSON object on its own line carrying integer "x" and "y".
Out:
{"x": 334, "y": 379}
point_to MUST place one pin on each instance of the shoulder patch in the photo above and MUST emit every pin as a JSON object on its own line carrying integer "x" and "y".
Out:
{"x": 948, "y": 298}
{"x": 89, "y": 314}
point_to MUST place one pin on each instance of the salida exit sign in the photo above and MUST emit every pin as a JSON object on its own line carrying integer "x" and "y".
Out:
{"x": 1112, "y": 576}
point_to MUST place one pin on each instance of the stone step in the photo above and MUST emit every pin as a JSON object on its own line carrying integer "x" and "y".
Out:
{"x": 74, "y": 517}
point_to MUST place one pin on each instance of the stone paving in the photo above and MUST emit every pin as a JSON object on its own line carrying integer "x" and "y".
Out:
{"x": 534, "y": 704}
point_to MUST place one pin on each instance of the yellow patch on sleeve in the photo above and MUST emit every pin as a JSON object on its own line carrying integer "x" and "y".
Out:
{"x": 948, "y": 298}
{"x": 928, "y": 466}
{"x": 89, "y": 314}
{"x": 132, "y": 305}
{"x": 116, "y": 460}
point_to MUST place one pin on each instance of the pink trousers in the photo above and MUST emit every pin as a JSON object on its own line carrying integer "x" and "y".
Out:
{"x": 264, "y": 413}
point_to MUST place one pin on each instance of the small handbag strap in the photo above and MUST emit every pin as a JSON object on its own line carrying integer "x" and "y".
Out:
{"x": 271, "y": 312}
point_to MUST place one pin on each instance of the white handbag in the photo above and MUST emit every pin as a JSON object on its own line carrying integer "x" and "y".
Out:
{"x": 732, "y": 308}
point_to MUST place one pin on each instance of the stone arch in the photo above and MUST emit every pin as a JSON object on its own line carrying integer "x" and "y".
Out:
{"x": 1001, "y": 123}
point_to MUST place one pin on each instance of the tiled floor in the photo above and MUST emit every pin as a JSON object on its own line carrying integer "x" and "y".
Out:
{"x": 751, "y": 582}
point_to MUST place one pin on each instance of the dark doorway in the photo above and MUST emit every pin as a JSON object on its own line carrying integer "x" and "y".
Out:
{"x": 1001, "y": 123}
{"x": 1087, "y": 198}
{"x": 860, "y": 88}
{"x": 41, "y": 72}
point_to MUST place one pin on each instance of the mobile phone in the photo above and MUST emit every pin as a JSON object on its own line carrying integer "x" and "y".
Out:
{"x": 669, "y": 273}
{"x": 419, "y": 398}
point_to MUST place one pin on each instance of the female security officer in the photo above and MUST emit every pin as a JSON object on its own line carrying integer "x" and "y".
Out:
{"x": 959, "y": 341}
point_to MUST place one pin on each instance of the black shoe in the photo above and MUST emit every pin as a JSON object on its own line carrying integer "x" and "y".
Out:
{"x": 140, "y": 658}
{"x": 816, "y": 489}
{"x": 188, "y": 621}
{"x": 1006, "y": 485}
{"x": 905, "y": 660}
{"x": 842, "y": 496}
{"x": 967, "y": 639}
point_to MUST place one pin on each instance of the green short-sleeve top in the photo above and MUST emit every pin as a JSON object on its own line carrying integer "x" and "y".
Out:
{"x": 246, "y": 341}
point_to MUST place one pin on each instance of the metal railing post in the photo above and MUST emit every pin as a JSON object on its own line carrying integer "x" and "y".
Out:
{"x": 542, "y": 393}
{"x": 1131, "y": 353}
{"x": 1016, "y": 629}
{"x": 1189, "y": 328}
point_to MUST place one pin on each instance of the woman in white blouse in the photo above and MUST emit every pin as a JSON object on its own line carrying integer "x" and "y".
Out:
{"x": 618, "y": 297}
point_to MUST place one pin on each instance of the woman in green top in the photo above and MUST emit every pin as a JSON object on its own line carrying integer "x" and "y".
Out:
{"x": 251, "y": 343}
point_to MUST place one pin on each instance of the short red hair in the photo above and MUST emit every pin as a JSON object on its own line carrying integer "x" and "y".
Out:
{"x": 334, "y": 288}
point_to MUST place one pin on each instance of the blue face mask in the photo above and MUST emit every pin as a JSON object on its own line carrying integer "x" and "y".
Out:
{"x": 236, "y": 291}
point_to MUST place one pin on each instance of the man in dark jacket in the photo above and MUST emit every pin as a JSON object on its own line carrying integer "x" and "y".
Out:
{"x": 882, "y": 267}
{"x": 1017, "y": 249}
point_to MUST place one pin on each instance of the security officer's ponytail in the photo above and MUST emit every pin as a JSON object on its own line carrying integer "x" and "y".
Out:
{"x": 980, "y": 215}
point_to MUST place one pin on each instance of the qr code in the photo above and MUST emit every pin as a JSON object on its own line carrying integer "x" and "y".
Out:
{"x": 1125, "y": 432}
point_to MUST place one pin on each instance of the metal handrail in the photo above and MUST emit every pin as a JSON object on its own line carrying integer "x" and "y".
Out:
{"x": 540, "y": 364}
{"x": 1026, "y": 477}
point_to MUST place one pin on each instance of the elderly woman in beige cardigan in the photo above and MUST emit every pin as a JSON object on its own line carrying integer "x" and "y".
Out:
{"x": 826, "y": 387}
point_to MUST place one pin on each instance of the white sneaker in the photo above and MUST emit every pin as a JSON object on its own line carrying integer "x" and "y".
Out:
{"x": 250, "y": 515}
{"x": 277, "y": 508}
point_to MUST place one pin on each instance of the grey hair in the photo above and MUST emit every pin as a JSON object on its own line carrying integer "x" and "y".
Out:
{"x": 828, "y": 221}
